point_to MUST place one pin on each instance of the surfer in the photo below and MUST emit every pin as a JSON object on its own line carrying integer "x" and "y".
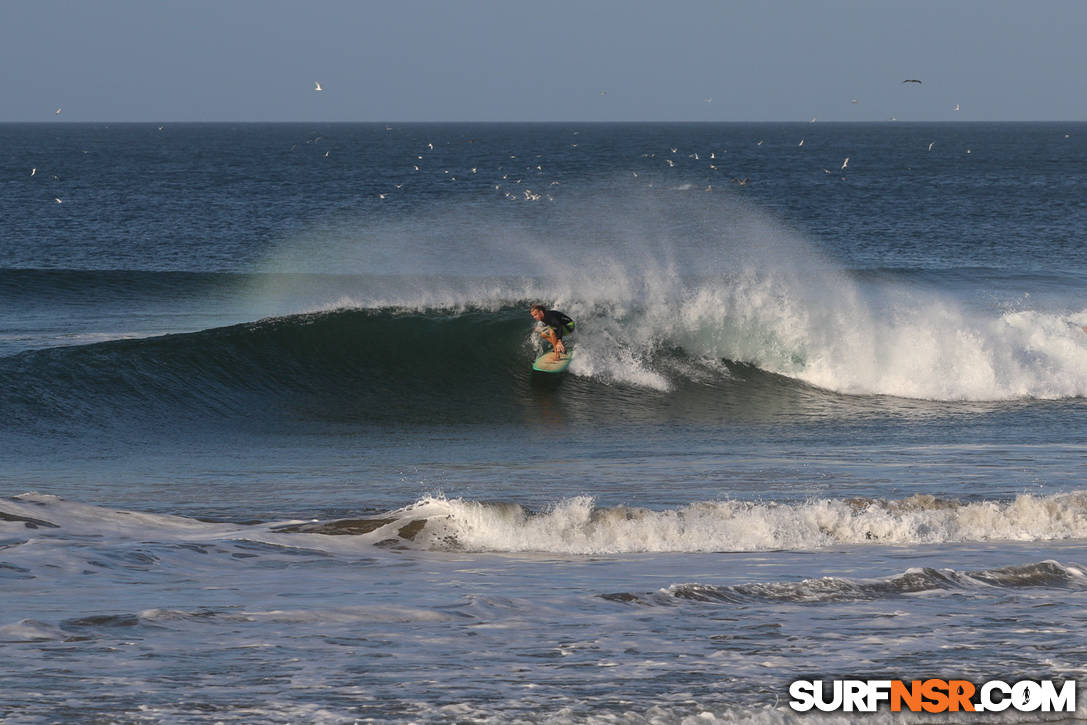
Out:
{"x": 552, "y": 325}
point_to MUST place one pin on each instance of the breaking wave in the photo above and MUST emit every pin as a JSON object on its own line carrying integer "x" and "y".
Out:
{"x": 698, "y": 359}
{"x": 576, "y": 526}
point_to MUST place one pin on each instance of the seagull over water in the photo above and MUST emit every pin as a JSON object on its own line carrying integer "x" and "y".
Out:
{"x": 846, "y": 162}
{"x": 317, "y": 86}
{"x": 911, "y": 80}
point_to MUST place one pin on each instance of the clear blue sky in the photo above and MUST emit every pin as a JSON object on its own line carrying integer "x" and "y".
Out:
{"x": 470, "y": 60}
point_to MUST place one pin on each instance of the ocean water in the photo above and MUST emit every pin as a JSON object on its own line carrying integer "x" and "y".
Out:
{"x": 271, "y": 449}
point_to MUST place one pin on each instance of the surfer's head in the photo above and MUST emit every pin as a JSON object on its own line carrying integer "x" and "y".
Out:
{"x": 537, "y": 312}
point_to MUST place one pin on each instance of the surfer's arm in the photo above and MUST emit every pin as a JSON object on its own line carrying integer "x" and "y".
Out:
{"x": 549, "y": 334}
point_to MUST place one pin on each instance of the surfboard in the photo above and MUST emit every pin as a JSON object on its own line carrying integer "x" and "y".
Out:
{"x": 547, "y": 363}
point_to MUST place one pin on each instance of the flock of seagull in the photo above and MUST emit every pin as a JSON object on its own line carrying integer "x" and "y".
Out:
{"x": 514, "y": 185}
{"x": 511, "y": 186}
{"x": 529, "y": 195}
{"x": 512, "y": 189}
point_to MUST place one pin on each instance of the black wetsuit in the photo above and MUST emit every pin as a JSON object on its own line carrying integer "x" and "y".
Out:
{"x": 559, "y": 322}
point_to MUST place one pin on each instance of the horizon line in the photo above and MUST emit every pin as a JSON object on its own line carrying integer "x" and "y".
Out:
{"x": 538, "y": 122}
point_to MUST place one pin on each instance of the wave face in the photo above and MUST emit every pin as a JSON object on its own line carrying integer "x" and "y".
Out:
{"x": 359, "y": 364}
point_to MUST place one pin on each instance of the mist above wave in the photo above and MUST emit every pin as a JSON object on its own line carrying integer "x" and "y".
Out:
{"x": 710, "y": 275}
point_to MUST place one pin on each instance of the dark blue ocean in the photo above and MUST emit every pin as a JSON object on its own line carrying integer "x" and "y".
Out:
{"x": 271, "y": 449}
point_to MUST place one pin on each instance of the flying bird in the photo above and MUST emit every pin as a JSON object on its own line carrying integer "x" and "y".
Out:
{"x": 35, "y": 169}
{"x": 317, "y": 86}
{"x": 931, "y": 145}
{"x": 59, "y": 110}
{"x": 956, "y": 107}
{"x": 845, "y": 163}
{"x": 911, "y": 80}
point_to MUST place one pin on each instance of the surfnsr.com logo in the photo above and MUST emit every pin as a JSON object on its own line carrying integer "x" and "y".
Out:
{"x": 932, "y": 696}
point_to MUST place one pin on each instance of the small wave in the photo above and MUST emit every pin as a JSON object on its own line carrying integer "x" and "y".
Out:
{"x": 914, "y": 581}
{"x": 31, "y": 630}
